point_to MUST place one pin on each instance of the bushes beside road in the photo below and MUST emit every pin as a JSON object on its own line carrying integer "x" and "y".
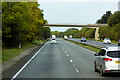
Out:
{"x": 113, "y": 30}
{"x": 110, "y": 32}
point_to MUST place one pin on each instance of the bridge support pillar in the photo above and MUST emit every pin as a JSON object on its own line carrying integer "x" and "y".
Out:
{"x": 97, "y": 34}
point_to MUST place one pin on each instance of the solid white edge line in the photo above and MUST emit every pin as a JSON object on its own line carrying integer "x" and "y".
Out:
{"x": 27, "y": 63}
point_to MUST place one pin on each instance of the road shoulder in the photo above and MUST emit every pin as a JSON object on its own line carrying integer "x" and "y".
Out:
{"x": 13, "y": 65}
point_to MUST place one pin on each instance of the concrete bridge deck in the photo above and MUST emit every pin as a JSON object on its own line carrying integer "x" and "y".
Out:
{"x": 62, "y": 25}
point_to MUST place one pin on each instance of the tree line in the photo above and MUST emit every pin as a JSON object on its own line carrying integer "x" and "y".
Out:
{"x": 22, "y": 22}
{"x": 112, "y": 30}
{"x": 76, "y": 33}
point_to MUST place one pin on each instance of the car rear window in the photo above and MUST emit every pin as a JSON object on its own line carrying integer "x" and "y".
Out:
{"x": 107, "y": 39}
{"x": 53, "y": 39}
{"x": 114, "y": 54}
{"x": 83, "y": 38}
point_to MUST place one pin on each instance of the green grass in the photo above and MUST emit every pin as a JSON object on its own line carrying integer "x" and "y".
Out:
{"x": 10, "y": 53}
{"x": 86, "y": 46}
{"x": 113, "y": 41}
{"x": 7, "y": 54}
{"x": 92, "y": 39}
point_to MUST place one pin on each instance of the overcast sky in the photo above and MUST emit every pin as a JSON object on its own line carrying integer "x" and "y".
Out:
{"x": 75, "y": 11}
{"x": 78, "y": 0}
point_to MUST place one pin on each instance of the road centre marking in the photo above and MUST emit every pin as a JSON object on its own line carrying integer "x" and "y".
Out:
{"x": 70, "y": 60}
{"x": 77, "y": 70}
{"x": 27, "y": 63}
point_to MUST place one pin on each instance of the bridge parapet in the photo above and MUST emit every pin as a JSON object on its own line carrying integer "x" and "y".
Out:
{"x": 96, "y": 26}
{"x": 87, "y": 26}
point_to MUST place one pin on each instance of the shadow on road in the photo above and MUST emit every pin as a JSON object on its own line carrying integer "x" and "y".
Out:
{"x": 113, "y": 75}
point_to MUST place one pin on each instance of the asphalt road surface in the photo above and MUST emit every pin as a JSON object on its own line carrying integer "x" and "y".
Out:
{"x": 61, "y": 60}
{"x": 97, "y": 43}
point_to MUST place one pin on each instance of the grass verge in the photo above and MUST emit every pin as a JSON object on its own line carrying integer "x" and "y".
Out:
{"x": 86, "y": 46}
{"x": 92, "y": 39}
{"x": 7, "y": 54}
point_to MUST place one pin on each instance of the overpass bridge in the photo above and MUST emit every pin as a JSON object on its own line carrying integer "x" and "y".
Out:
{"x": 85, "y": 26}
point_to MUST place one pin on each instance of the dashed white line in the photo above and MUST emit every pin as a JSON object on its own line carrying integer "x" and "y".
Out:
{"x": 77, "y": 70}
{"x": 70, "y": 60}
{"x": 67, "y": 55}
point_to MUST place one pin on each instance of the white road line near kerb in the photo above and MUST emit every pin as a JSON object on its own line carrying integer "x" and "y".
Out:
{"x": 27, "y": 63}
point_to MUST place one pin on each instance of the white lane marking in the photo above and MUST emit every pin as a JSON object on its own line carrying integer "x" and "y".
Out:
{"x": 67, "y": 55}
{"x": 63, "y": 49}
{"x": 27, "y": 63}
{"x": 77, "y": 70}
{"x": 70, "y": 60}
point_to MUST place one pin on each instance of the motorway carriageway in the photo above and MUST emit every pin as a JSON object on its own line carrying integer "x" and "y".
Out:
{"x": 61, "y": 60}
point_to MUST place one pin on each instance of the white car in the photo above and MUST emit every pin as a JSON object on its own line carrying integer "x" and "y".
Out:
{"x": 65, "y": 37}
{"x": 83, "y": 39}
{"x": 70, "y": 36}
{"x": 106, "y": 41}
{"x": 107, "y": 60}
{"x": 53, "y": 41}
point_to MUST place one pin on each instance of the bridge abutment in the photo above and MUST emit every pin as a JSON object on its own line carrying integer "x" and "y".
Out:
{"x": 97, "y": 34}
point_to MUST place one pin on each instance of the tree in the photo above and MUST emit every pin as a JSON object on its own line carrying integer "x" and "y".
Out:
{"x": 87, "y": 32}
{"x": 14, "y": 18}
{"x": 22, "y": 22}
{"x": 47, "y": 32}
{"x": 104, "y": 18}
{"x": 55, "y": 33}
{"x": 114, "y": 19}
{"x": 71, "y": 31}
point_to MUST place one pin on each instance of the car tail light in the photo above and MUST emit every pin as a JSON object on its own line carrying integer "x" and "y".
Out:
{"x": 107, "y": 59}
{"x": 107, "y": 70}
